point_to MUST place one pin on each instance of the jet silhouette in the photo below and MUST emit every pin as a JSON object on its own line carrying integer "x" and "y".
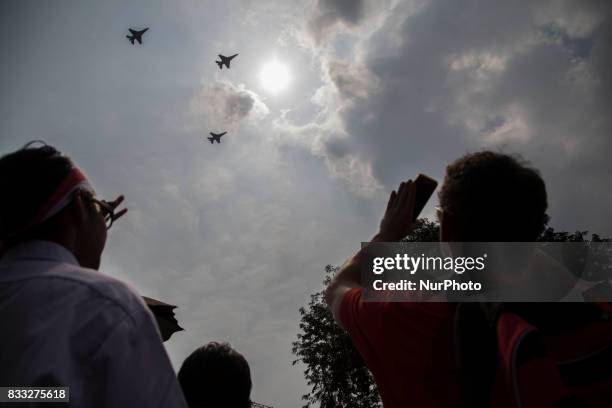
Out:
{"x": 225, "y": 61}
{"x": 136, "y": 35}
{"x": 216, "y": 137}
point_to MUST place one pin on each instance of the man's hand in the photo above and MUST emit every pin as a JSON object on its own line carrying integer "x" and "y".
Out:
{"x": 395, "y": 225}
{"x": 397, "y": 221}
{"x": 114, "y": 205}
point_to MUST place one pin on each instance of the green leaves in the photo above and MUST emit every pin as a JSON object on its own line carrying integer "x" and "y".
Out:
{"x": 334, "y": 369}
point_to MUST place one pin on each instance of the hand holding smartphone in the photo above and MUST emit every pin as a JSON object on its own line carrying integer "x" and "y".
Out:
{"x": 404, "y": 207}
{"x": 425, "y": 186}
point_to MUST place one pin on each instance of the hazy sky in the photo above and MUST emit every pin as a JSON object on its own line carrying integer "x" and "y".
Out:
{"x": 238, "y": 234}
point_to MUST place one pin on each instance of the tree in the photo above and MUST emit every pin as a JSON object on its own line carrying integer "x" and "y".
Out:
{"x": 334, "y": 369}
{"x": 550, "y": 235}
{"x": 424, "y": 230}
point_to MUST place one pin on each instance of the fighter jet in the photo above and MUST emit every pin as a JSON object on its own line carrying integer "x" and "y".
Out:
{"x": 136, "y": 35}
{"x": 216, "y": 137}
{"x": 225, "y": 61}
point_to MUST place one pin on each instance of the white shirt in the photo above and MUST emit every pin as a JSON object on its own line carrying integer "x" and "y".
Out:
{"x": 64, "y": 325}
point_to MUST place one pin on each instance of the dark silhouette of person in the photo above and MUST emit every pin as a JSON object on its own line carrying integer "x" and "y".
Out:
{"x": 64, "y": 323}
{"x": 216, "y": 375}
{"x": 408, "y": 346}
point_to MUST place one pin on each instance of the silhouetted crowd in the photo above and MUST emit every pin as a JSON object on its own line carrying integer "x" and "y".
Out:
{"x": 64, "y": 323}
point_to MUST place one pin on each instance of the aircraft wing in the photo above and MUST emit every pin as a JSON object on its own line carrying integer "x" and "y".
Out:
{"x": 132, "y": 31}
{"x": 139, "y": 39}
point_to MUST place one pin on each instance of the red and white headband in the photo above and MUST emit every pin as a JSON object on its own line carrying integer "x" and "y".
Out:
{"x": 74, "y": 180}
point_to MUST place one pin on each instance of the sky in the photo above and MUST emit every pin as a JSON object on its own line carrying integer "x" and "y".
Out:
{"x": 238, "y": 234}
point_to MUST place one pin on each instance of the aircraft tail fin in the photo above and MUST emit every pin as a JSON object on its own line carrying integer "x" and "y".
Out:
{"x": 220, "y": 64}
{"x": 211, "y": 140}
{"x": 130, "y": 38}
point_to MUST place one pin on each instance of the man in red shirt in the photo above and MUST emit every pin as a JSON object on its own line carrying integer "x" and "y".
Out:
{"x": 409, "y": 346}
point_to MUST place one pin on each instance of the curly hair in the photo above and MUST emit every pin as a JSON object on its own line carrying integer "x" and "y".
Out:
{"x": 494, "y": 197}
{"x": 216, "y": 375}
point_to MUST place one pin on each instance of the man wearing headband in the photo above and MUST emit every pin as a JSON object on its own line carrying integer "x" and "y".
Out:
{"x": 64, "y": 324}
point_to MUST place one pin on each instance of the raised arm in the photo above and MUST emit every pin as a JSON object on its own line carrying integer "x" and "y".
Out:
{"x": 395, "y": 225}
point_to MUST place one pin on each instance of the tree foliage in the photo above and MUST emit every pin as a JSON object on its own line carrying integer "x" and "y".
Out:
{"x": 334, "y": 369}
{"x": 424, "y": 230}
{"x": 550, "y": 235}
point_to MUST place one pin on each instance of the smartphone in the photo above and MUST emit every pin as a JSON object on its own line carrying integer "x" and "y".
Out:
{"x": 425, "y": 187}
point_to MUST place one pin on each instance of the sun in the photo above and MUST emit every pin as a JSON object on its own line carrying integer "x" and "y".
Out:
{"x": 275, "y": 76}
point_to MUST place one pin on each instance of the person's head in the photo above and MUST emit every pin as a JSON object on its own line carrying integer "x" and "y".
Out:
{"x": 44, "y": 196}
{"x": 216, "y": 375}
{"x": 492, "y": 197}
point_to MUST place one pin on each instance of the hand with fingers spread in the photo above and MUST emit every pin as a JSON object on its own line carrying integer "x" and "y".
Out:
{"x": 107, "y": 209}
{"x": 116, "y": 203}
{"x": 397, "y": 221}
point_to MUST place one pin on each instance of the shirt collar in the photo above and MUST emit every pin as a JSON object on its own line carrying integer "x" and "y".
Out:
{"x": 39, "y": 250}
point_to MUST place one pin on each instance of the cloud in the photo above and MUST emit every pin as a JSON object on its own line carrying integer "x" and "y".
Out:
{"x": 351, "y": 81}
{"x": 328, "y": 18}
{"x": 329, "y": 13}
{"x": 345, "y": 85}
{"x": 435, "y": 79}
{"x": 225, "y": 104}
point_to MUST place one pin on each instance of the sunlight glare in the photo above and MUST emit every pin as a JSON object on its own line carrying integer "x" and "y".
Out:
{"x": 275, "y": 76}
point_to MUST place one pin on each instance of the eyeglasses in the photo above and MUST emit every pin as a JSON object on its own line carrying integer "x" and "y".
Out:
{"x": 107, "y": 210}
